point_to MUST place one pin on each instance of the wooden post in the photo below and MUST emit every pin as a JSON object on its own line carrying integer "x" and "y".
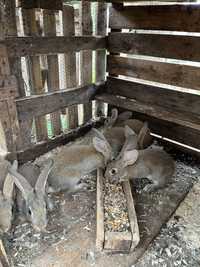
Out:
{"x": 86, "y": 56}
{"x": 101, "y": 54}
{"x": 49, "y": 21}
{"x": 31, "y": 27}
{"x": 70, "y": 62}
{"x": 9, "y": 126}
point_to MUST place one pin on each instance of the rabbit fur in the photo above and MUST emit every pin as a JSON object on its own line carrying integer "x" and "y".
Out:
{"x": 6, "y": 196}
{"x": 118, "y": 122}
{"x": 151, "y": 163}
{"x": 31, "y": 195}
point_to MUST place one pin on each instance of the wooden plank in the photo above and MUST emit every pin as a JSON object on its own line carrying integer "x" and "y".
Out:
{"x": 34, "y": 46}
{"x": 172, "y": 125}
{"x": 49, "y": 21}
{"x": 168, "y": 46}
{"x": 8, "y": 87}
{"x": 174, "y": 74}
{"x": 100, "y": 212}
{"x": 50, "y": 4}
{"x": 101, "y": 54}
{"x": 157, "y": 17}
{"x": 32, "y": 28}
{"x": 38, "y": 105}
{"x": 86, "y": 56}
{"x": 45, "y": 146}
{"x": 70, "y": 62}
{"x": 3, "y": 256}
{"x": 132, "y": 215}
{"x": 171, "y": 99}
{"x": 117, "y": 242}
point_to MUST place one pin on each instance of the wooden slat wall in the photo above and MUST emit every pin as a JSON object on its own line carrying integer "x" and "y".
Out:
{"x": 32, "y": 27}
{"x": 151, "y": 55}
{"x": 49, "y": 21}
{"x": 38, "y": 44}
{"x": 86, "y": 56}
{"x": 169, "y": 17}
{"x": 175, "y": 74}
{"x": 70, "y": 62}
{"x": 156, "y": 45}
{"x": 149, "y": 94}
{"x": 101, "y": 54}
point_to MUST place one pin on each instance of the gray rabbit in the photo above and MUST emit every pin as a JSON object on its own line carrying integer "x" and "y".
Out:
{"x": 31, "y": 195}
{"x": 72, "y": 163}
{"x": 151, "y": 163}
{"x": 115, "y": 124}
{"x": 6, "y": 196}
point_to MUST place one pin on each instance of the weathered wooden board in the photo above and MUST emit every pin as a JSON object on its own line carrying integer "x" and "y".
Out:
{"x": 157, "y": 17}
{"x": 32, "y": 46}
{"x": 173, "y": 125}
{"x": 49, "y": 21}
{"x": 101, "y": 54}
{"x": 115, "y": 242}
{"x": 174, "y": 74}
{"x": 135, "y": 238}
{"x": 86, "y": 56}
{"x": 45, "y": 146}
{"x": 8, "y": 87}
{"x": 168, "y": 46}
{"x": 70, "y": 63}
{"x": 171, "y": 99}
{"x": 100, "y": 233}
{"x": 45, "y": 4}
{"x": 32, "y": 27}
{"x": 37, "y": 105}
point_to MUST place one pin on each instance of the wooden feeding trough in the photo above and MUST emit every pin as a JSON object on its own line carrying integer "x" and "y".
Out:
{"x": 113, "y": 241}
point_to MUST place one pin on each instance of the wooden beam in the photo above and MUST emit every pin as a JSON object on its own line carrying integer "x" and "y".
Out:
{"x": 32, "y": 46}
{"x": 45, "y": 4}
{"x": 148, "y": 94}
{"x": 175, "y": 126}
{"x": 173, "y": 74}
{"x": 157, "y": 17}
{"x": 71, "y": 73}
{"x": 101, "y": 54}
{"x": 49, "y": 21}
{"x": 4, "y": 262}
{"x": 86, "y": 56}
{"x": 168, "y": 46}
{"x": 45, "y": 146}
{"x": 38, "y": 105}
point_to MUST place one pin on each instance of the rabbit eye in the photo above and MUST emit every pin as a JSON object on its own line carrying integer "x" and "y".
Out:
{"x": 29, "y": 211}
{"x": 113, "y": 171}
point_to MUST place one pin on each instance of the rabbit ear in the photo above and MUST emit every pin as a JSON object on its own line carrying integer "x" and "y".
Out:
{"x": 128, "y": 131}
{"x": 21, "y": 182}
{"x": 103, "y": 147}
{"x": 142, "y": 135}
{"x": 98, "y": 134}
{"x": 130, "y": 157}
{"x": 9, "y": 183}
{"x": 42, "y": 179}
{"x": 110, "y": 121}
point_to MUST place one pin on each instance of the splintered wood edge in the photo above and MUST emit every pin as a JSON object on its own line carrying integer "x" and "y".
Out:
{"x": 100, "y": 212}
{"x": 117, "y": 242}
{"x": 3, "y": 256}
{"x": 132, "y": 215}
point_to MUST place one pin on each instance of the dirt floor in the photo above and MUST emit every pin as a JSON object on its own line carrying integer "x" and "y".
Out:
{"x": 70, "y": 237}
